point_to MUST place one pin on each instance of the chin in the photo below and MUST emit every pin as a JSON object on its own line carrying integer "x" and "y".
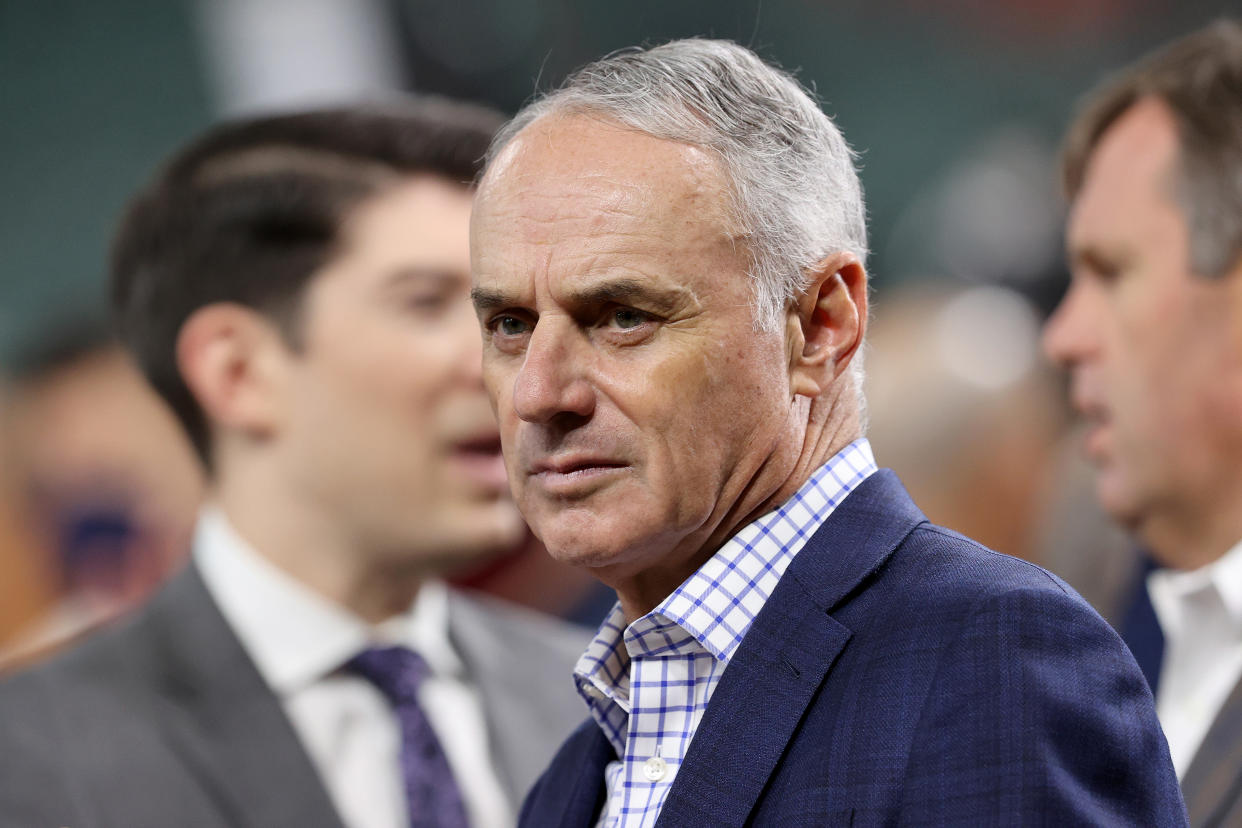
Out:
{"x": 596, "y": 550}
{"x": 478, "y": 530}
{"x": 1116, "y": 499}
{"x": 499, "y": 530}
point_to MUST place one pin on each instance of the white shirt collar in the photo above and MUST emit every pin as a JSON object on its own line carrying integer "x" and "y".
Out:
{"x": 1171, "y": 587}
{"x": 294, "y": 635}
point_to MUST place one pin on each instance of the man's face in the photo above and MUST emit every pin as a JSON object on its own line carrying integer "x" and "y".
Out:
{"x": 1155, "y": 351}
{"x": 640, "y": 409}
{"x": 387, "y": 427}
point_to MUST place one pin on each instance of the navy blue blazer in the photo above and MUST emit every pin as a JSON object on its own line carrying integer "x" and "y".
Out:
{"x": 902, "y": 674}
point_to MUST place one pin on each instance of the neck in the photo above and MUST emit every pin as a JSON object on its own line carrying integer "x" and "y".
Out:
{"x": 305, "y": 543}
{"x": 1189, "y": 542}
{"x": 826, "y": 427}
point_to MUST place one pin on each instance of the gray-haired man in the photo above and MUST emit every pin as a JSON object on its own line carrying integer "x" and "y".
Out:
{"x": 668, "y": 266}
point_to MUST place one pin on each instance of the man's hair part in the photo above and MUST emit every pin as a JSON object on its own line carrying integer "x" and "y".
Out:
{"x": 1199, "y": 79}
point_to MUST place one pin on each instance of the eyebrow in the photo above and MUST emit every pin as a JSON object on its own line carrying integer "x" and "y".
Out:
{"x": 621, "y": 290}
{"x": 1092, "y": 257}
{"x": 402, "y": 275}
{"x": 631, "y": 291}
{"x": 487, "y": 300}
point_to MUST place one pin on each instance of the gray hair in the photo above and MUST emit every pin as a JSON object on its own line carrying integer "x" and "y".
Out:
{"x": 793, "y": 187}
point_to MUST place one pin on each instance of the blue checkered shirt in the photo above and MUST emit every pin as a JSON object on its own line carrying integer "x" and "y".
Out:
{"x": 648, "y": 684}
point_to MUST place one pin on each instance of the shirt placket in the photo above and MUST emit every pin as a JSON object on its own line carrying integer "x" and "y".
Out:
{"x": 659, "y": 731}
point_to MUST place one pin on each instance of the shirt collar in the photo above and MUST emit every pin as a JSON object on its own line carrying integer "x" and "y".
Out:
{"x": 714, "y": 608}
{"x": 1170, "y": 588}
{"x": 717, "y": 604}
{"x": 294, "y": 635}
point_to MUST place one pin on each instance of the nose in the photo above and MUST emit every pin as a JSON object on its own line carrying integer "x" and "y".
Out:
{"x": 1070, "y": 335}
{"x": 551, "y": 384}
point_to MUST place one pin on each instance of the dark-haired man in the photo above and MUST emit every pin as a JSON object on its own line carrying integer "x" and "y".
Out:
{"x": 1151, "y": 330}
{"x": 296, "y": 288}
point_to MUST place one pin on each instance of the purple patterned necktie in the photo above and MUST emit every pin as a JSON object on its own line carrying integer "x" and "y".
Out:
{"x": 431, "y": 790}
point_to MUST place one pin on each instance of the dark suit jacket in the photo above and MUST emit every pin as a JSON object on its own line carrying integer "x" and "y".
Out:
{"x": 901, "y": 674}
{"x": 165, "y": 721}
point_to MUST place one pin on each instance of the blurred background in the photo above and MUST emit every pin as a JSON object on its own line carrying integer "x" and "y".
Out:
{"x": 956, "y": 108}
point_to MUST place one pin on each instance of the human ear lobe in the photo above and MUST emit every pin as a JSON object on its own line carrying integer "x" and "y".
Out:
{"x": 831, "y": 317}
{"x": 230, "y": 357}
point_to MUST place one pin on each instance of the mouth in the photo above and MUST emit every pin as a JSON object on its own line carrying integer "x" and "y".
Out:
{"x": 480, "y": 459}
{"x": 487, "y": 445}
{"x": 1096, "y": 422}
{"x": 574, "y": 474}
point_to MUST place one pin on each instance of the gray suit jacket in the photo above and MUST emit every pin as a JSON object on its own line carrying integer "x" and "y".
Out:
{"x": 1212, "y": 785}
{"x": 164, "y": 720}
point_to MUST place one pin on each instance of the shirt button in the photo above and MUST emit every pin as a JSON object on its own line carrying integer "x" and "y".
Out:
{"x": 654, "y": 769}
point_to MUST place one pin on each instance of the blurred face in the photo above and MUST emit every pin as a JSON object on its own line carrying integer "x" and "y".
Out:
{"x": 641, "y": 412}
{"x": 1155, "y": 351}
{"x": 387, "y": 427}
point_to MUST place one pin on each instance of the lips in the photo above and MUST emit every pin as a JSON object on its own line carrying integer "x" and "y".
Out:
{"x": 1096, "y": 419}
{"x": 486, "y": 444}
{"x": 479, "y": 457}
{"x": 573, "y": 463}
{"x": 574, "y": 475}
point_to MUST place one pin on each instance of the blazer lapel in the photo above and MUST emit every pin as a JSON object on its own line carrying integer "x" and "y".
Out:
{"x": 1213, "y": 782}
{"x": 525, "y": 728}
{"x": 584, "y": 769}
{"x": 224, "y": 720}
{"x": 785, "y": 657}
{"x": 494, "y": 670}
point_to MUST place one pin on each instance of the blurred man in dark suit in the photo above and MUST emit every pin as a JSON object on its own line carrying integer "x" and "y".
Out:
{"x": 668, "y": 273}
{"x": 1151, "y": 330}
{"x": 296, "y": 288}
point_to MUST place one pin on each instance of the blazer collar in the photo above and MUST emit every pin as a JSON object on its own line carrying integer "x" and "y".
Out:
{"x": 785, "y": 657}
{"x": 1213, "y": 782}
{"x": 224, "y": 720}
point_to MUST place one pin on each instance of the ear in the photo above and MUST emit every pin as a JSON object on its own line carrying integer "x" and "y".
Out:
{"x": 825, "y": 325}
{"x": 231, "y": 358}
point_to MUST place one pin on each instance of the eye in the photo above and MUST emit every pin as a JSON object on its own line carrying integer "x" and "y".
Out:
{"x": 627, "y": 318}
{"x": 428, "y": 301}
{"x": 508, "y": 332}
{"x": 510, "y": 326}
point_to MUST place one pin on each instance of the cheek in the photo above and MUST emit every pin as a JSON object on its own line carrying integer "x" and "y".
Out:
{"x": 709, "y": 413}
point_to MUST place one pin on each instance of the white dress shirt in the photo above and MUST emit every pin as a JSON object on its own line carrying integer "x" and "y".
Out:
{"x": 1200, "y": 614}
{"x": 299, "y": 640}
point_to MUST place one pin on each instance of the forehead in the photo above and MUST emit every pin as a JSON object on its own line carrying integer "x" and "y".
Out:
{"x": 411, "y": 233}
{"x": 578, "y": 176}
{"x": 420, "y": 212}
{"x": 1131, "y": 167}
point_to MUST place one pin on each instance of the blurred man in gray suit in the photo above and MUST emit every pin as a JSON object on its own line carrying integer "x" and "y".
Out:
{"x": 296, "y": 288}
{"x": 1151, "y": 330}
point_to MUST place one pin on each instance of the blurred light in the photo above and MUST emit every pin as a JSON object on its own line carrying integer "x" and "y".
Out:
{"x": 994, "y": 215}
{"x": 988, "y": 337}
{"x": 284, "y": 54}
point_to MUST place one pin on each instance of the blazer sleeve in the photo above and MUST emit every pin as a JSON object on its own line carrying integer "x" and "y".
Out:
{"x": 1038, "y": 715}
